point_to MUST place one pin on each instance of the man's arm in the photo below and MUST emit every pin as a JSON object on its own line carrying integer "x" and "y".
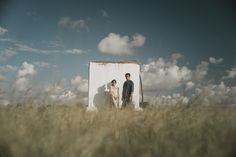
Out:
{"x": 131, "y": 90}
{"x": 132, "y": 87}
{"x": 123, "y": 93}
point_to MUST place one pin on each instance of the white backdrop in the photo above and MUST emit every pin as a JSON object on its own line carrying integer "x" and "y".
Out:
{"x": 100, "y": 76}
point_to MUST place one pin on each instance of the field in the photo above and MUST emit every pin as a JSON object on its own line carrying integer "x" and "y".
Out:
{"x": 70, "y": 131}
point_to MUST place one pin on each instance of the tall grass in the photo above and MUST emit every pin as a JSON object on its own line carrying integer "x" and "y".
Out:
{"x": 171, "y": 131}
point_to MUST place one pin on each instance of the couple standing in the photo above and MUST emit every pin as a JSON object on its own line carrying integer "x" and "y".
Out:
{"x": 127, "y": 92}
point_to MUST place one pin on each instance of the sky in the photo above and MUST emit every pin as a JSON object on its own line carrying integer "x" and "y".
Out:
{"x": 181, "y": 45}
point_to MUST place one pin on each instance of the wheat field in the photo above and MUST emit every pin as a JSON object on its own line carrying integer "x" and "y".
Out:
{"x": 70, "y": 131}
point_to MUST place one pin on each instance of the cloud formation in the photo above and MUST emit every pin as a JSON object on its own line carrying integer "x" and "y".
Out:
{"x": 74, "y": 51}
{"x": 214, "y": 94}
{"x": 7, "y": 68}
{"x": 215, "y": 61}
{"x": 230, "y": 73}
{"x": 70, "y": 91}
{"x": 68, "y": 23}
{"x": 167, "y": 83}
{"x": 80, "y": 84}
{"x": 59, "y": 94}
{"x": 24, "y": 76}
{"x": 159, "y": 74}
{"x": 201, "y": 71}
{"x": 120, "y": 45}
{"x": 26, "y": 48}
{"x": 174, "y": 99}
{"x": 3, "y": 31}
{"x": 7, "y": 53}
{"x": 189, "y": 85}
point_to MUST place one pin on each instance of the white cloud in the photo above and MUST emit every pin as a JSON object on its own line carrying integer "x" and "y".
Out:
{"x": 212, "y": 94}
{"x": 74, "y": 51}
{"x": 80, "y": 84}
{"x": 54, "y": 88}
{"x": 138, "y": 40}
{"x": 26, "y": 48}
{"x": 72, "y": 91}
{"x": 161, "y": 78}
{"x": 58, "y": 93}
{"x": 7, "y": 53}
{"x": 67, "y": 95}
{"x": 158, "y": 74}
{"x": 175, "y": 99}
{"x": 21, "y": 83}
{"x": 215, "y": 61}
{"x": 175, "y": 57}
{"x": 77, "y": 25}
{"x": 7, "y": 68}
{"x": 189, "y": 85}
{"x": 3, "y": 31}
{"x": 201, "y": 71}
{"x": 24, "y": 76}
{"x": 230, "y": 73}
{"x": 26, "y": 70}
{"x": 42, "y": 64}
{"x": 64, "y": 96}
{"x": 117, "y": 45}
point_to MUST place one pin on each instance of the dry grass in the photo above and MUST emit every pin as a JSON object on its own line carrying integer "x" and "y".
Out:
{"x": 159, "y": 132}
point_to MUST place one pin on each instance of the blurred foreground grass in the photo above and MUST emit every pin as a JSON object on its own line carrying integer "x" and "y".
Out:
{"x": 63, "y": 131}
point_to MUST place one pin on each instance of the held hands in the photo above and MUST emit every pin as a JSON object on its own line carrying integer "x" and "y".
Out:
{"x": 131, "y": 97}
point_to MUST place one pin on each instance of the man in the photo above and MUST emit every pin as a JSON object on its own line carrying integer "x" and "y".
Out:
{"x": 128, "y": 90}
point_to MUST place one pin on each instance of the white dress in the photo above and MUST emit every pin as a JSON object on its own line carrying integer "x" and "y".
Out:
{"x": 114, "y": 92}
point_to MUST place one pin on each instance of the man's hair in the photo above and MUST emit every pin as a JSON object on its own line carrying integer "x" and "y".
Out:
{"x": 113, "y": 81}
{"x": 127, "y": 74}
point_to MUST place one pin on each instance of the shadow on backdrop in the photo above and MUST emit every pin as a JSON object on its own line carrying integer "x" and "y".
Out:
{"x": 102, "y": 97}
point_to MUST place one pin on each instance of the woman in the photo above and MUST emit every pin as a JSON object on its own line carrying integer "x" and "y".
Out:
{"x": 114, "y": 94}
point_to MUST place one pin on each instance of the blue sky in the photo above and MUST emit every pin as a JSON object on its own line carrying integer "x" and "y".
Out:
{"x": 59, "y": 37}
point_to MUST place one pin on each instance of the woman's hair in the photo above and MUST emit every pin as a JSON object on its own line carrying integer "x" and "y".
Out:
{"x": 113, "y": 81}
{"x": 127, "y": 74}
